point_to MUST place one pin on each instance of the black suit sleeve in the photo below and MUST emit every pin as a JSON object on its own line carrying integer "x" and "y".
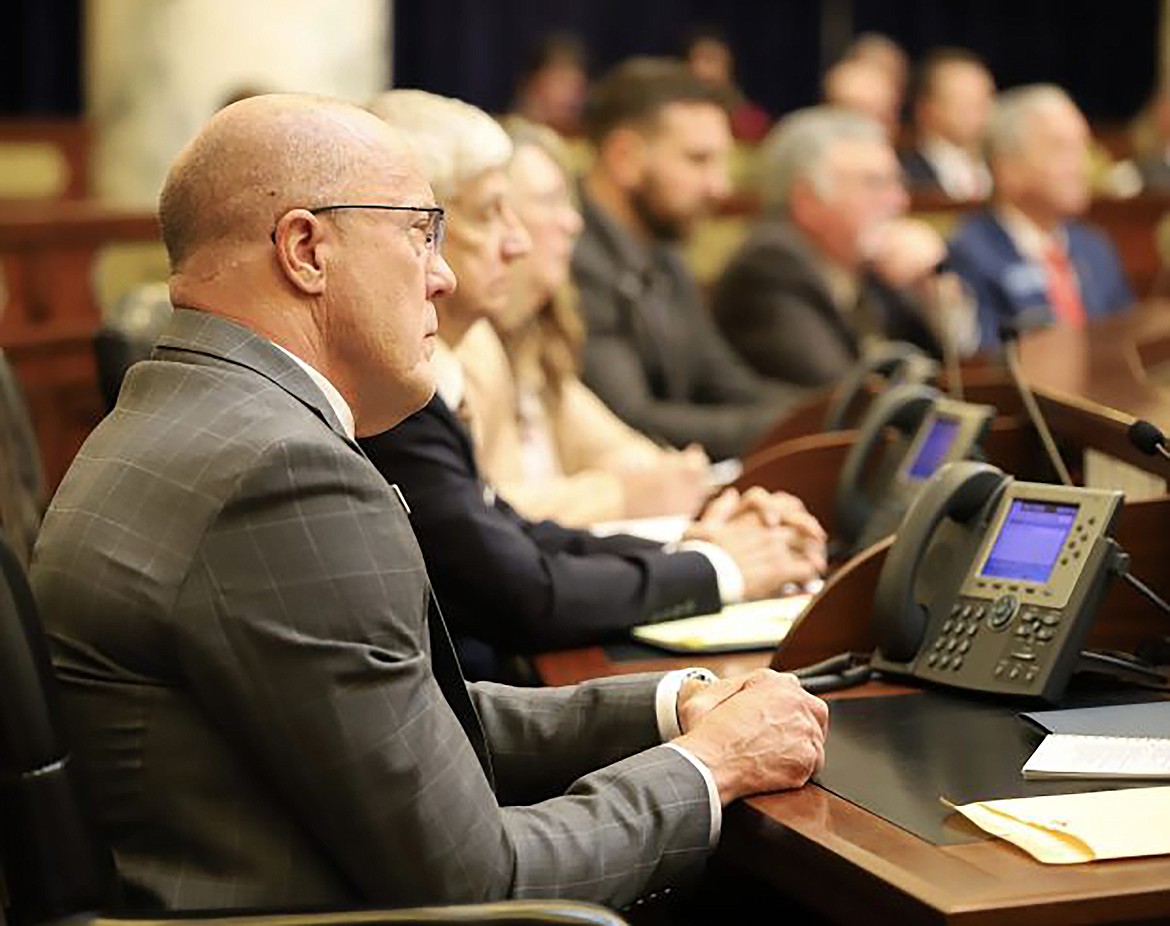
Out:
{"x": 520, "y": 585}
{"x": 779, "y": 317}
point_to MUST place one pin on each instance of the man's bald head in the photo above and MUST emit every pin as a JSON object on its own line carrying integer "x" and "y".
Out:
{"x": 258, "y": 158}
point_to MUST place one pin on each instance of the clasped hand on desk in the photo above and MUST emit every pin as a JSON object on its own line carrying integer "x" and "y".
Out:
{"x": 773, "y": 539}
{"x": 756, "y": 733}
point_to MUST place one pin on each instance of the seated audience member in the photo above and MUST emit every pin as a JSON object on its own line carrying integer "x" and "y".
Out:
{"x": 259, "y": 688}
{"x": 550, "y": 446}
{"x": 709, "y": 57}
{"x": 1027, "y": 259}
{"x": 831, "y": 265}
{"x": 951, "y": 107}
{"x": 652, "y": 352}
{"x": 885, "y": 54}
{"x": 553, "y": 83}
{"x": 866, "y": 88}
{"x": 517, "y": 585}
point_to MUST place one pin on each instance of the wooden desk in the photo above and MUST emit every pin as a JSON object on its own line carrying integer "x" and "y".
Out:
{"x": 851, "y": 866}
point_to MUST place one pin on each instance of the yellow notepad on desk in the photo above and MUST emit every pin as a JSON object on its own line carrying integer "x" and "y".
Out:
{"x": 751, "y": 625}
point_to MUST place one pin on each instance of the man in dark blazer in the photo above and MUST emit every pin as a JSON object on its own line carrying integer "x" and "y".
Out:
{"x": 517, "y": 585}
{"x": 1028, "y": 261}
{"x": 832, "y": 266}
{"x": 261, "y": 693}
{"x": 652, "y": 352}
{"x": 952, "y": 103}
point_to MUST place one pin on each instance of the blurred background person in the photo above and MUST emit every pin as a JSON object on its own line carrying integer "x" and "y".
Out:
{"x": 1027, "y": 259}
{"x": 653, "y": 353}
{"x": 866, "y": 88}
{"x": 885, "y": 54}
{"x": 1153, "y": 143}
{"x": 550, "y": 446}
{"x": 709, "y": 56}
{"x": 833, "y": 265}
{"x": 553, "y": 83}
{"x": 954, "y": 96}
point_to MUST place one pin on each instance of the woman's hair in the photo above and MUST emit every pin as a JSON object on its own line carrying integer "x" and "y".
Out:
{"x": 553, "y": 337}
{"x": 451, "y": 141}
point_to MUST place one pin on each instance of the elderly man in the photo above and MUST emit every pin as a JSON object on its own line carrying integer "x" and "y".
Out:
{"x": 953, "y": 103}
{"x": 260, "y": 688}
{"x": 652, "y": 353}
{"x": 523, "y": 586}
{"x": 1027, "y": 259}
{"x": 832, "y": 265}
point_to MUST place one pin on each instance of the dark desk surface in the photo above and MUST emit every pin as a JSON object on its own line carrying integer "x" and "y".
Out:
{"x": 852, "y": 866}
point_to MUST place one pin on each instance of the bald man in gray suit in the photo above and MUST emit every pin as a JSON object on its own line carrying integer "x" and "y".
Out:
{"x": 261, "y": 691}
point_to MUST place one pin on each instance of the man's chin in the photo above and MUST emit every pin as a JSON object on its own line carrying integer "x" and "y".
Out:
{"x": 420, "y": 394}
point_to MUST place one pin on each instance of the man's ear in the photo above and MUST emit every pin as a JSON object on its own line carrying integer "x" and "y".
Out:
{"x": 803, "y": 200}
{"x": 299, "y": 239}
{"x": 624, "y": 155}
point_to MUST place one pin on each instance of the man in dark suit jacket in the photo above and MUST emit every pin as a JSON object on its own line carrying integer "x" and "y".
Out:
{"x": 952, "y": 103}
{"x": 831, "y": 266}
{"x": 1027, "y": 260}
{"x": 652, "y": 353}
{"x": 261, "y": 691}
{"x": 518, "y": 585}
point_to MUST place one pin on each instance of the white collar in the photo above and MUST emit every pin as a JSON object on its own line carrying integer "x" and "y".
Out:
{"x": 1029, "y": 238}
{"x": 340, "y": 407}
{"x": 450, "y": 381}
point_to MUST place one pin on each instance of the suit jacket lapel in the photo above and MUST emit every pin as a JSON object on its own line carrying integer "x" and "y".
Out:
{"x": 212, "y": 336}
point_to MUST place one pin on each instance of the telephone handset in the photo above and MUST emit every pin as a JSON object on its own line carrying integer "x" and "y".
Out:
{"x": 992, "y": 584}
{"x": 874, "y": 490}
{"x": 896, "y": 362}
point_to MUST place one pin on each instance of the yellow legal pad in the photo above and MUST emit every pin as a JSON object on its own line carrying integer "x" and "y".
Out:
{"x": 1066, "y": 829}
{"x": 752, "y": 625}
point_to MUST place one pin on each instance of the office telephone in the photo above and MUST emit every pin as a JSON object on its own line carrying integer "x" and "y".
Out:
{"x": 895, "y": 362}
{"x": 880, "y": 478}
{"x": 991, "y": 584}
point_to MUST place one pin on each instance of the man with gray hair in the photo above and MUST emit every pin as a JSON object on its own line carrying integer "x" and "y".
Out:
{"x": 1026, "y": 259}
{"x": 832, "y": 265}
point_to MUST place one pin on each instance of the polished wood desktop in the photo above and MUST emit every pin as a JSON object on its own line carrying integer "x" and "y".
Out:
{"x": 851, "y": 866}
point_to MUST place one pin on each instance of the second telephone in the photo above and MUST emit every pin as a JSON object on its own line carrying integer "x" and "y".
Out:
{"x": 992, "y": 584}
{"x": 881, "y": 477}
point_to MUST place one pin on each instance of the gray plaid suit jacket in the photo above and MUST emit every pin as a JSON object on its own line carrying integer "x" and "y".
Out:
{"x": 263, "y": 697}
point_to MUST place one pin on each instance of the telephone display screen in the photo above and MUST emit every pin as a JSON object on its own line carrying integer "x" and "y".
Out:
{"x": 934, "y": 448}
{"x": 1030, "y": 541}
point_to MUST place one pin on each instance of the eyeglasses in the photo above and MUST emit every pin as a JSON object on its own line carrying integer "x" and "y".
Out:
{"x": 434, "y": 232}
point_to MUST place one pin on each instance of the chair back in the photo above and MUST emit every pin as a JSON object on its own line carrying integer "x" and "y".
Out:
{"x": 127, "y": 335}
{"x": 52, "y": 865}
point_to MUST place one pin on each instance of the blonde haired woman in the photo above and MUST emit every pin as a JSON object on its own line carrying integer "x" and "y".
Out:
{"x": 549, "y": 444}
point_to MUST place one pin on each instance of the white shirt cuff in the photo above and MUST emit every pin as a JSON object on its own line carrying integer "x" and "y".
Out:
{"x": 713, "y": 802}
{"x": 666, "y": 708}
{"x": 727, "y": 573}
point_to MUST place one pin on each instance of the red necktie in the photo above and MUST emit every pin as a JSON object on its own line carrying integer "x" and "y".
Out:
{"x": 1064, "y": 295}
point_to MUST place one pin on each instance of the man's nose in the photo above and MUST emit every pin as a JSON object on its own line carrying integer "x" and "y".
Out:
{"x": 440, "y": 278}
